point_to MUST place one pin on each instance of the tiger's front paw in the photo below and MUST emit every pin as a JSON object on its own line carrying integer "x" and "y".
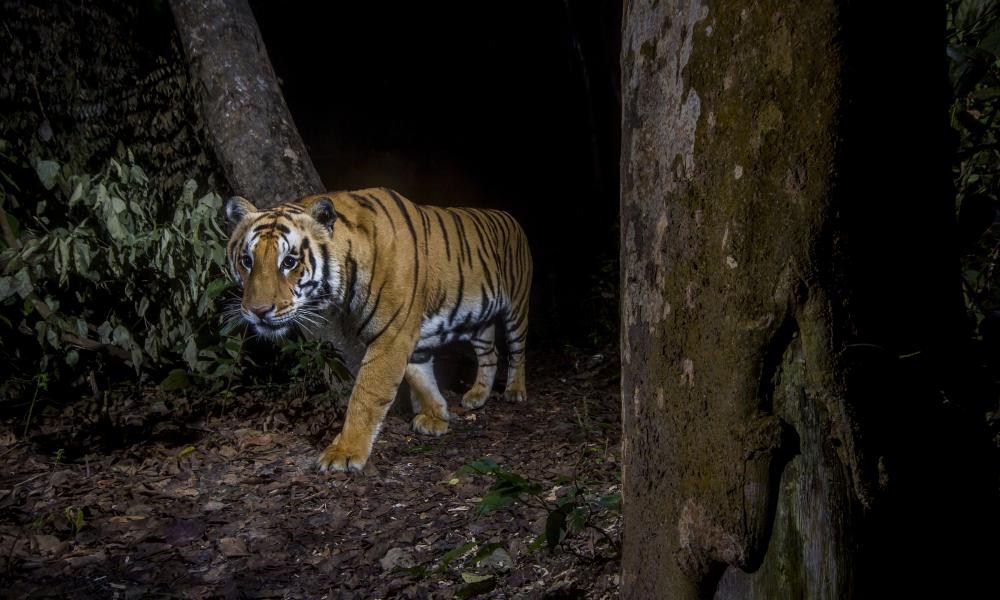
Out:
{"x": 342, "y": 457}
{"x": 428, "y": 425}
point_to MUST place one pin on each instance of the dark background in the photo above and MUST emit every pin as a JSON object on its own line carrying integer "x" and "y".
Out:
{"x": 511, "y": 105}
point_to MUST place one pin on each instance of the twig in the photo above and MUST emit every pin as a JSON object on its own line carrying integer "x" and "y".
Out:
{"x": 30, "y": 479}
{"x": 88, "y": 344}
{"x": 8, "y": 450}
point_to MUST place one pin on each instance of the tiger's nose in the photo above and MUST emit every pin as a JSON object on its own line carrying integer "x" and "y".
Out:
{"x": 260, "y": 309}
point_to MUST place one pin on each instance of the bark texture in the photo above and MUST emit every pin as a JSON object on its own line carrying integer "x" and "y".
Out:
{"x": 775, "y": 282}
{"x": 254, "y": 135}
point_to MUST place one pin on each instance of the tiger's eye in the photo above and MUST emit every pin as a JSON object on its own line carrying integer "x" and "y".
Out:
{"x": 289, "y": 263}
{"x": 247, "y": 261}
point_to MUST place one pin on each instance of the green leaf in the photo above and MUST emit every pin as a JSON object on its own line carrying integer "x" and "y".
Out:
{"x": 576, "y": 520}
{"x": 477, "y": 588}
{"x": 482, "y": 466}
{"x": 22, "y": 283}
{"x": 177, "y": 379}
{"x": 474, "y": 578}
{"x": 454, "y": 553}
{"x": 15, "y": 227}
{"x": 495, "y": 499}
{"x": 536, "y": 543}
{"x": 485, "y": 550}
{"x": 120, "y": 336}
{"x": 973, "y": 16}
{"x": 216, "y": 287}
{"x": 611, "y": 502}
{"x": 63, "y": 259}
{"x": 191, "y": 354}
{"x": 229, "y": 326}
{"x": 7, "y": 288}
{"x": 555, "y": 525}
{"x": 104, "y": 332}
{"x": 81, "y": 255}
{"x": 417, "y": 571}
{"x": 47, "y": 171}
{"x": 77, "y": 193}
{"x": 81, "y": 328}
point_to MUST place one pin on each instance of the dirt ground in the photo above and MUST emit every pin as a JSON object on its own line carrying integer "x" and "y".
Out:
{"x": 228, "y": 504}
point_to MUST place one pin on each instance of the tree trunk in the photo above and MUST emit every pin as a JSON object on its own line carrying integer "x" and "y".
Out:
{"x": 254, "y": 136}
{"x": 790, "y": 306}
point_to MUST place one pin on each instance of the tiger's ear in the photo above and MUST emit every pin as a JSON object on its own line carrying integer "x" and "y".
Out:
{"x": 322, "y": 210}
{"x": 237, "y": 208}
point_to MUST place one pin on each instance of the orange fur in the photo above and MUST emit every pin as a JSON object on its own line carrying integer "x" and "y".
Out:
{"x": 404, "y": 278}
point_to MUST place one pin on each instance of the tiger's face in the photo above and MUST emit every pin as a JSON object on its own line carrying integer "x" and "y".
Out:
{"x": 281, "y": 257}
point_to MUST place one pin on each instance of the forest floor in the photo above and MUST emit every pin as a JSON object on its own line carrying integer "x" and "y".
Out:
{"x": 228, "y": 503}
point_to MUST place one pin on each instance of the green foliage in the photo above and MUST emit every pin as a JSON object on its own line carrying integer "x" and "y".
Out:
{"x": 973, "y": 39}
{"x": 111, "y": 266}
{"x": 74, "y": 517}
{"x": 567, "y": 516}
{"x": 508, "y": 488}
{"x": 313, "y": 363}
{"x": 111, "y": 262}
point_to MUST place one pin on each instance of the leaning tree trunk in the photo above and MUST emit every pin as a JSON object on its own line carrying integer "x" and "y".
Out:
{"x": 789, "y": 299}
{"x": 253, "y": 133}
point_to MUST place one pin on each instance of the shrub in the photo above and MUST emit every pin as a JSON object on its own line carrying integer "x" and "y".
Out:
{"x": 107, "y": 267}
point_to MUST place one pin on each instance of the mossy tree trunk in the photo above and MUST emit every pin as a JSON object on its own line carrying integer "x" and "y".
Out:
{"x": 254, "y": 135}
{"x": 791, "y": 306}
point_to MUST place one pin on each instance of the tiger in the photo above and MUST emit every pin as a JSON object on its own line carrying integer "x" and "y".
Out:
{"x": 404, "y": 279}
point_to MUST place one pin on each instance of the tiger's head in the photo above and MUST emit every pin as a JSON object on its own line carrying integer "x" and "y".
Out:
{"x": 282, "y": 258}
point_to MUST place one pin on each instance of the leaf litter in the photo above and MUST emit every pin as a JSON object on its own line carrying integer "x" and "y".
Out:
{"x": 229, "y": 505}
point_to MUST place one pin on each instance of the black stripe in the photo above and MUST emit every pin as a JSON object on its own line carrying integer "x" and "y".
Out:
{"x": 381, "y": 331}
{"x": 353, "y": 281}
{"x": 312, "y": 261}
{"x": 385, "y": 210}
{"x": 491, "y": 222}
{"x": 462, "y": 237}
{"x": 378, "y": 300}
{"x": 362, "y": 201}
{"x": 427, "y": 229}
{"x": 326, "y": 268}
{"x": 444, "y": 232}
{"x": 416, "y": 254}
{"x": 486, "y": 271}
{"x": 267, "y": 226}
{"x": 342, "y": 219}
{"x": 458, "y": 298}
{"x": 371, "y": 277}
{"x": 517, "y": 325}
{"x": 478, "y": 226}
{"x": 511, "y": 341}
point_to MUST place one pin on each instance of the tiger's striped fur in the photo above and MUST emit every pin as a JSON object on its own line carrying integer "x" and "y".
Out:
{"x": 404, "y": 278}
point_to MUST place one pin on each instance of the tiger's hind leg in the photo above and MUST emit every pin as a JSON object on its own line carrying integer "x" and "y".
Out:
{"x": 516, "y": 329}
{"x": 431, "y": 407}
{"x": 486, "y": 357}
